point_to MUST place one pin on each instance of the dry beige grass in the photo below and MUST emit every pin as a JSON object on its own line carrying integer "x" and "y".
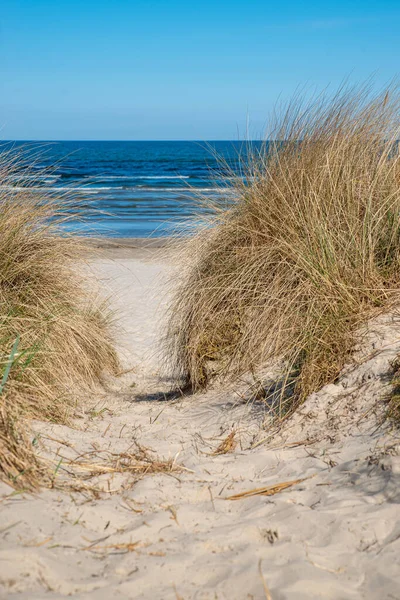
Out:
{"x": 135, "y": 463}
{"x": 54, "y": 337}
{"x": 269, "y": 490}
{"x": 393, "y": 404}
{"x": 307, "y": 250}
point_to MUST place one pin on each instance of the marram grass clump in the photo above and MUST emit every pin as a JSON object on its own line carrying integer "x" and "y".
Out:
{"x": 55, "y": 336}
{"x": 306, "y": 252}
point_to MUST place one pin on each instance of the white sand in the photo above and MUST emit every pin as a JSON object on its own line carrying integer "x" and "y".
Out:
{"x": 335, "y": 535}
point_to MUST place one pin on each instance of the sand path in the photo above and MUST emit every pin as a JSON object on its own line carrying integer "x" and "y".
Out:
{"x": 336, "y": 534}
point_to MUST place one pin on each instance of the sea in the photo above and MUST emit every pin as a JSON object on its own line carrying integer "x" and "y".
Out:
{"x": 135, "y": 189}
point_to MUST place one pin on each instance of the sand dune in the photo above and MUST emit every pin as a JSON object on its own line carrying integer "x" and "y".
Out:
{"x": 176, "y": 535}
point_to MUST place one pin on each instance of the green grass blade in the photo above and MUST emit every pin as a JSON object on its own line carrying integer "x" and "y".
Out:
{"x": 9, "y": 364}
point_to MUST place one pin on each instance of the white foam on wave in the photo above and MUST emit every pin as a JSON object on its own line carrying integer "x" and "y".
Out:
{"x": 81, "y": 190}
{"x": 161, "y": 177}
{"x": 47, "y": 178}
{"x": 216, "y": 190}
{"x": 97, "y": 189}
{"x": 111, "y": 177}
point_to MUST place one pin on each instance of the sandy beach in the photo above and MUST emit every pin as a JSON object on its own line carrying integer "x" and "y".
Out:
{"x": 324, "y": 522}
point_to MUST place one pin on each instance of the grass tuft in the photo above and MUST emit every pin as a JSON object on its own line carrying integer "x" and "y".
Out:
{"x": 393, "y": 404}
{"x": 55, "y": 337}
{"x": 227, "y": 445}
{"x": 304, "y": 252}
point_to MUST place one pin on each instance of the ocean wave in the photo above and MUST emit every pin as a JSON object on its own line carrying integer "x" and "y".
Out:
{"x": 96, "y": 189}
{"x": 161, "y": 177}
{"x": 93, "y": 188}
{"x": 112, "y": 177}
{"x": 79, "y": 189}
{"x": 46, "y": 178}
{"x": 188, "y": 189}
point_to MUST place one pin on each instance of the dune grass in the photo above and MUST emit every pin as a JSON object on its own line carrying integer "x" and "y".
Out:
{"x": 393, "y": 400}
{"x": 306, "y": 251}
{"x": 55, "y": 339}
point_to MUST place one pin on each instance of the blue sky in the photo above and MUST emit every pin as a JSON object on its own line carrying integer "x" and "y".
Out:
{"x": 172, "y": 69}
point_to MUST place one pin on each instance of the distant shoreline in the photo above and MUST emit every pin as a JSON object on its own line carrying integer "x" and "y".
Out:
{"x": 134, "y": 242}
{"x": 139, "y": 248}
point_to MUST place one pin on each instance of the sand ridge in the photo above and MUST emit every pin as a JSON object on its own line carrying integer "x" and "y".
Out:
{"x": 176, "y": 535}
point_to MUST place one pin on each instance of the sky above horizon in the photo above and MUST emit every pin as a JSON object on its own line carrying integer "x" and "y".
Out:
{"x": 179, "y": 70}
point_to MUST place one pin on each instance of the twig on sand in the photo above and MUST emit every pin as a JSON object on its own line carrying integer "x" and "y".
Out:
{"x": 124, "y": 547}
{"x": 8, "y": 527}
{"x": 318, "y": 566}
{"x": 53, "y": 439}
{"x": 269, "y": 490}
{"x": 178, "y": 596}
{"x": 35, "y": 544}
{"x": 211, "y": 496}
{"x": 94, "y": 542}
{"x": 266, "y": 588}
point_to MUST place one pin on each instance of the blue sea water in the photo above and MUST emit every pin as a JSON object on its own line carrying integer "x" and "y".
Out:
{"x": 135, "y": 189}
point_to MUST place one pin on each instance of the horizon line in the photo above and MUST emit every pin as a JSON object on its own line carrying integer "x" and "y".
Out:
{"x": 116, "y": 140}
